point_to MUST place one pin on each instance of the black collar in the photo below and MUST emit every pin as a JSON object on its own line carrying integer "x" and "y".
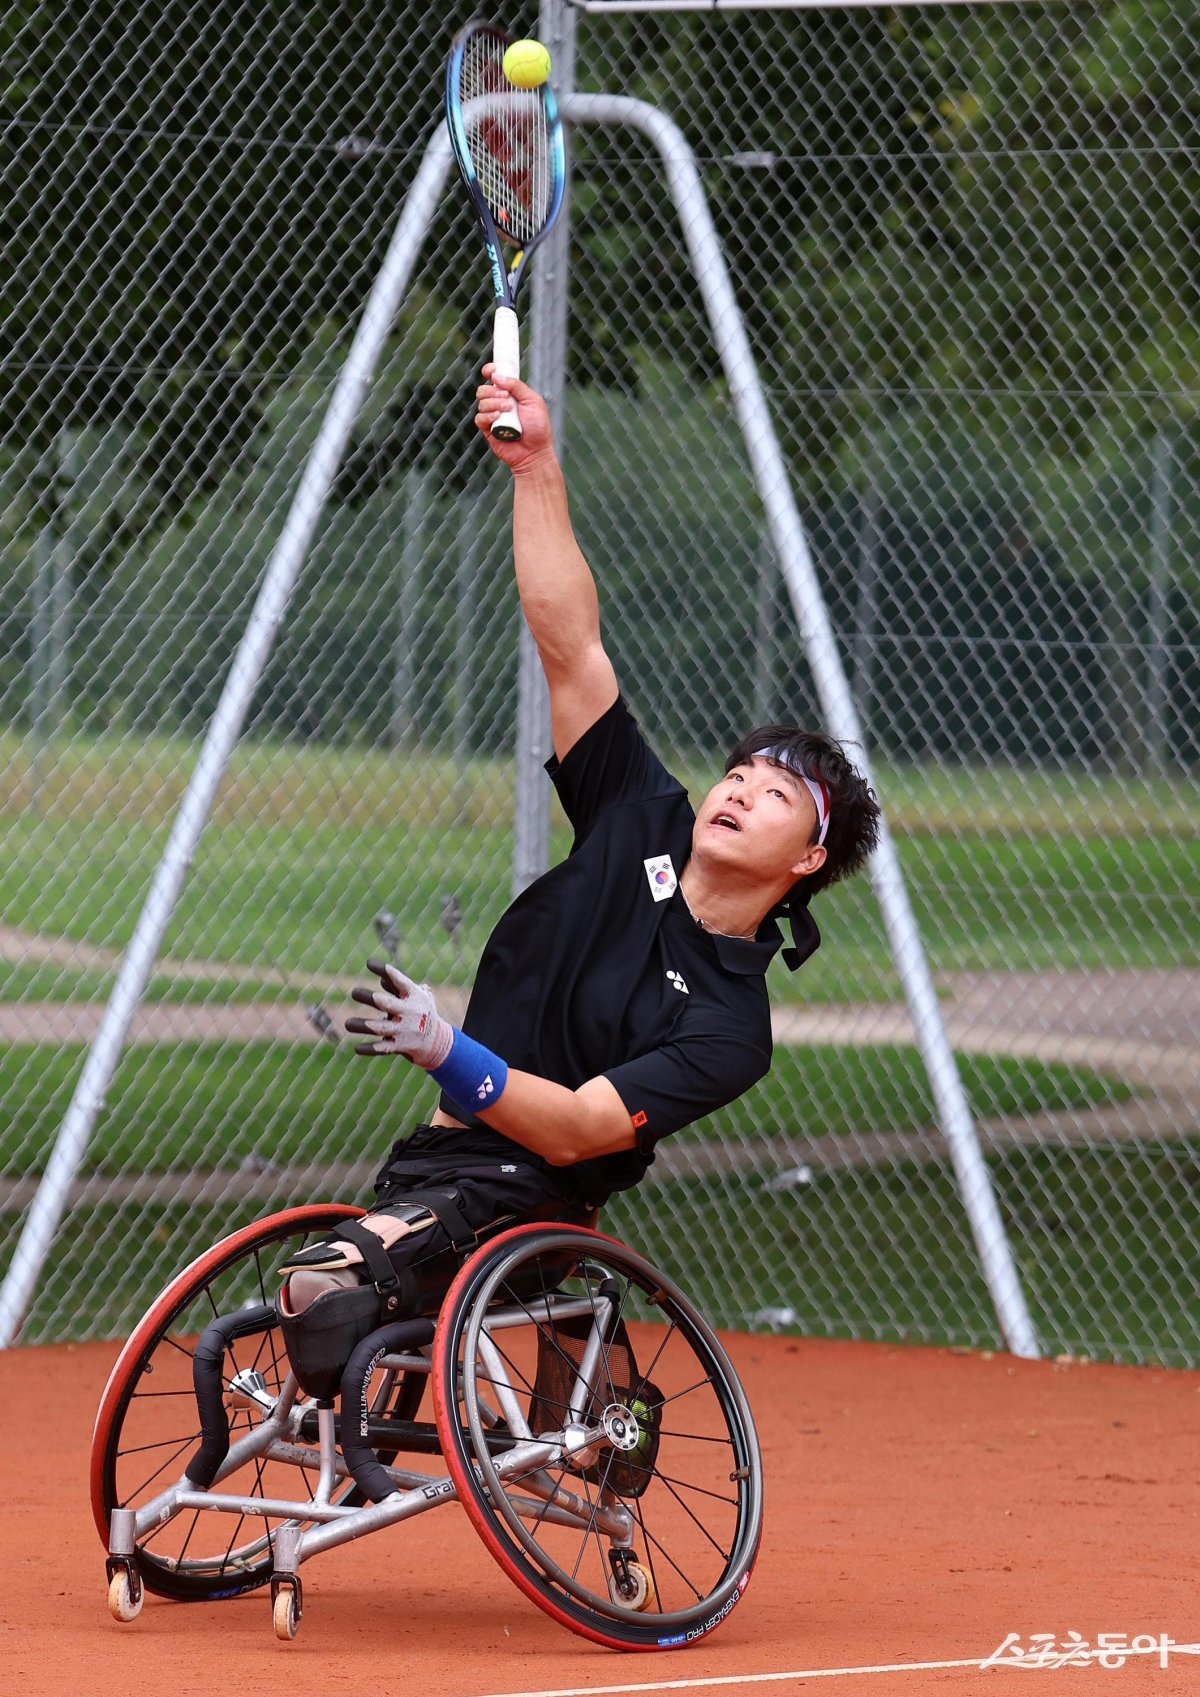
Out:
{"x": 748, "y": 955}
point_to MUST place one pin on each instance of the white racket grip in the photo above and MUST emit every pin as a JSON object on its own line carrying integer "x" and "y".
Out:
{"x": 506, "y": 357}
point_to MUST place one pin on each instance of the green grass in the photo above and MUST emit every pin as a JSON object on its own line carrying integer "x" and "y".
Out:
{"x": 1107, "y": 1242}
{"x": 298, "y": 903}
{"x": 835, "y": 1089}
{"x": 45, "y": 981}
{"x": 1014, "y": 903}
{"x": 212, "y": 1104}
{"x": 307, "y": 844}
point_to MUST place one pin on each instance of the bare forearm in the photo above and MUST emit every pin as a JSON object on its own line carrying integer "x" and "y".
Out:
{"x": 560, "y": 1124}
{"x": 557, "y": 590}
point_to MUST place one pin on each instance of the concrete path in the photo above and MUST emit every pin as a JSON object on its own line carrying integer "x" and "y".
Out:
{"x": 1143, "y": 1026}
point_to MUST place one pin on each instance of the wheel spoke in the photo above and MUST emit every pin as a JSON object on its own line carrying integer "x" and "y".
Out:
{"x": 562, "y": 1558}
{"x": 605, "y": 1343}
{"x": 589, "y": 1530}
{"x": 672, "y": 1328}
{"x": 695, "y": 1437}
{"x": 161, "y": 1444}
{"x": 685, "y": 1485}
{"x": 181, "y": 1448}
{"x": 667, "y": 1557}
{"x": 724, "y": 1554}
{"x": 195, "y": 1522}
{"x": 641, "y": 1520}
{"x": 230, "y": 1274}
{"x": 181, "y": 1347}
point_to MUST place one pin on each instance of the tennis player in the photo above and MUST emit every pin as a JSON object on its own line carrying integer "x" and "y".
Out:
{"x": 623, "y": 994}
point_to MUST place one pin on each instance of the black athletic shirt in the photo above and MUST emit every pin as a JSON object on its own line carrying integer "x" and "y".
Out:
{"x": 588, "y": 973}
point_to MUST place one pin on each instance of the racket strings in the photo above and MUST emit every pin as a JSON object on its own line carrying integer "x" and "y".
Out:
{"x": 509, "y": 140}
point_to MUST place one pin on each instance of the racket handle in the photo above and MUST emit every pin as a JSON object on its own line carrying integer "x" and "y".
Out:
{"x": 506, "y": 357}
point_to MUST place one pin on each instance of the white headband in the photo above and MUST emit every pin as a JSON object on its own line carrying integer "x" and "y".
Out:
{"x": 814, "y": 786}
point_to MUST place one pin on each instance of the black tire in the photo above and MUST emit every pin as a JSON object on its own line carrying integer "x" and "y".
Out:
{"x": 692, "y": 1484}
{"x": 147, "y": 1427}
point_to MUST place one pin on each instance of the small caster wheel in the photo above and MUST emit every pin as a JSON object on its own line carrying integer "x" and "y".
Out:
{"x": 125, "y": 1595}
{"x": 285, "y": 1619}
{"x": 286, "y": 1607}
{"x": 639, "y": 1592}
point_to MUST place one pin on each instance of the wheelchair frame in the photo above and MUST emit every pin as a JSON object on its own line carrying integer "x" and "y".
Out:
{"x": 562, "y": 1481}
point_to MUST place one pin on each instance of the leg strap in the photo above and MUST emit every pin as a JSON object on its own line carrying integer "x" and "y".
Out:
{"x": 397, "y": 1287}
{"x": 375, "y": 1257}
{"x": 447, "y": 1210}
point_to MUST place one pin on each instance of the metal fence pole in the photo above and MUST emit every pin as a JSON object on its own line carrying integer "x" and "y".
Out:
{"x": 863, "y": 648}
{"x": 245, "y": 670}
{"x": 547, "y": 369}
{"x": 408, "y": 598}
{"x": 1158, "y": 611}
{"x": 468, "y": 583}
{"x": 796, "y": 563}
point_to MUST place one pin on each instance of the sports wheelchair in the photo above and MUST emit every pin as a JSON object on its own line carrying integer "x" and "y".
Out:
{"x": 590, "y": 1422}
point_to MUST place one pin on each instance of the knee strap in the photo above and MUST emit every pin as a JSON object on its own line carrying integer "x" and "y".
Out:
{"x": 397, "y": 1288}
{"x": 375, "y": 1256}
{"x": 446, "y": 1209}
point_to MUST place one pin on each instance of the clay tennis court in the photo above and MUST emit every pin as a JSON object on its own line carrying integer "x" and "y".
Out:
{"x": 922, "y": 1505}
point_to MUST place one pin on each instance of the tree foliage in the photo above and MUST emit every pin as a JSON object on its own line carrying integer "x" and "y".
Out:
{"x": 966, "y": 242}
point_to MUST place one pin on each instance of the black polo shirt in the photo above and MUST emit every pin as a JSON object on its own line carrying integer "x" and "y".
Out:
{"x": 598, "y": 967}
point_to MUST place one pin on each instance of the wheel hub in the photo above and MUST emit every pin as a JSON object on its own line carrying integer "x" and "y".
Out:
{"x": 620, "y": 1426}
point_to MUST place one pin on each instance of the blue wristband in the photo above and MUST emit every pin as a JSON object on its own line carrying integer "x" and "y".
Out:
{"x": 471, "y": 1075}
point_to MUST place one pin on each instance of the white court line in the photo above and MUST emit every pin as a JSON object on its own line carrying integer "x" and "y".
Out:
{"x": 820, "y": 1673}
{"x": 737, "y": 1679}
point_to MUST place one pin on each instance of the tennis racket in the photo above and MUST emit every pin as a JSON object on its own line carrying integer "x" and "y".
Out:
{"x": 509, "y": 146}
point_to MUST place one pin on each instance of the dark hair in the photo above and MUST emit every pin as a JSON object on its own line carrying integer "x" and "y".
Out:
{"x": 853, "y": 806}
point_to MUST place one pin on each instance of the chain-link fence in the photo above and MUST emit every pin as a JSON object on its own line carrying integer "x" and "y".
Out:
{"x": 965, "y": 241}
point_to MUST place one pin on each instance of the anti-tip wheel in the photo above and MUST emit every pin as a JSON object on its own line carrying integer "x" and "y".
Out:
{"x": 125, "y": 1596}
{"x": 643, "y": 1595}
{"x": 285, "y": 1616}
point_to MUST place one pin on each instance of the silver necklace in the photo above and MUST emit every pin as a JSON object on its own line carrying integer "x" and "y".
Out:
{"x": 737, "y": 936}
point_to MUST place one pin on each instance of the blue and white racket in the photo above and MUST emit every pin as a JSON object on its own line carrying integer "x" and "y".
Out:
{"x": 509, "y": 146}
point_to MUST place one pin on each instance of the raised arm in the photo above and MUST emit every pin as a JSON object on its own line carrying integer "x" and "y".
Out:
{"x": 557, "y": 590}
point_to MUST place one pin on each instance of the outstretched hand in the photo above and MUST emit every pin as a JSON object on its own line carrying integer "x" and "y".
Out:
{"x": 492, "y": 398}
{"x": 407, "y": 1021}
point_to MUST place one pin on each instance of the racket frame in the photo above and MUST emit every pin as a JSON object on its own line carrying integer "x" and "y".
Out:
{"x": 506, "y": 276}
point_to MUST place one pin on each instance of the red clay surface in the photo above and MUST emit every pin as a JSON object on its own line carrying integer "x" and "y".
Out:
{"x": 921, "y": 1506}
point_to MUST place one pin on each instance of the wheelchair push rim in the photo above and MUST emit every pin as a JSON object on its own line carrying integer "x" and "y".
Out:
{"x": 147, "y": 1425}
{"x": 689, "y": 1490}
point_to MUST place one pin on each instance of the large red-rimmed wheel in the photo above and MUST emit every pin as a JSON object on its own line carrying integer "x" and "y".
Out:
{"x": 147, "y": 1426}
{"x": 676, "y": 1455}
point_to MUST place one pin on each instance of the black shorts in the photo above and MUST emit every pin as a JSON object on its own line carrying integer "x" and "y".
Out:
{"x": 490, "y": 1194}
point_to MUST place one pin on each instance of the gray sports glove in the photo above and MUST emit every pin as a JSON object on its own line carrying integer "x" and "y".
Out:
{"x": 408, "y": 1023}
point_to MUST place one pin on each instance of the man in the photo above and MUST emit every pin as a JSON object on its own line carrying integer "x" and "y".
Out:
{"x": 622, "y": 995}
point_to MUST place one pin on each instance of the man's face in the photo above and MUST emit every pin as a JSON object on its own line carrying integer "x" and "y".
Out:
{"x": 760, "y": 821}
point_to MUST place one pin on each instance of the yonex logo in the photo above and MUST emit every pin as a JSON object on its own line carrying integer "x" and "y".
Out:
{"x": 676, "y": 978}
{"x": 486, "y": 1089}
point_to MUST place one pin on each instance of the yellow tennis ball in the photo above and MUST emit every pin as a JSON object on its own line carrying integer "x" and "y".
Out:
{"x": 526, "y": 64}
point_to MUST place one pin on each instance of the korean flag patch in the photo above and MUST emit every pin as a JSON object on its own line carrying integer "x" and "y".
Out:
{"x": 661, "y": 877}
